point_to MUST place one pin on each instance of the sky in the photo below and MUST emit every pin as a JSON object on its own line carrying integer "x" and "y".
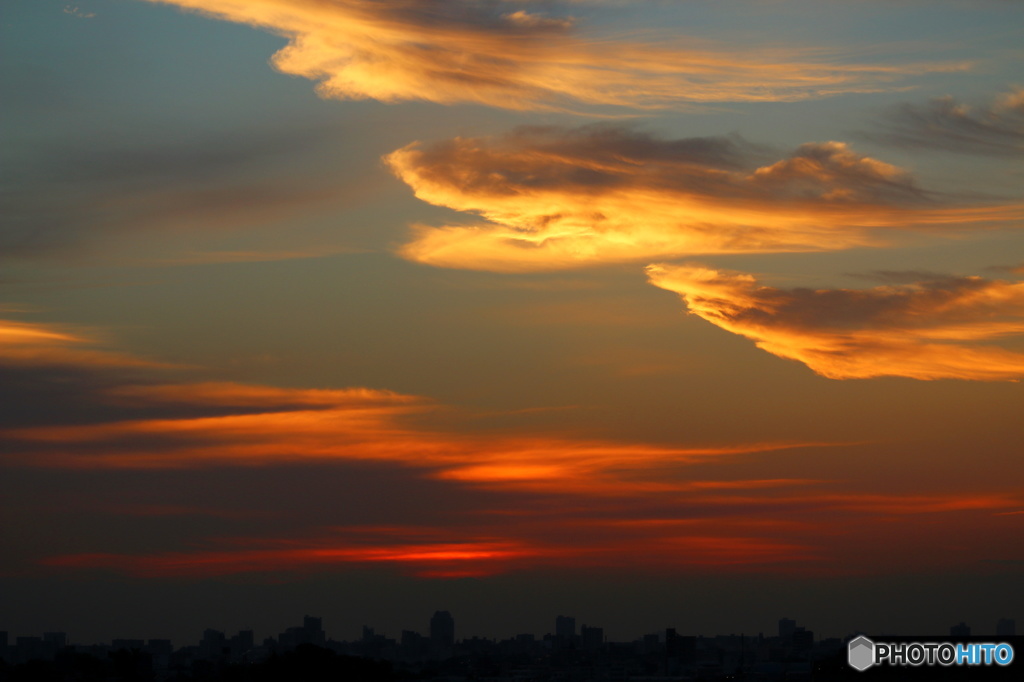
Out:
{"x": 692, "y": 314}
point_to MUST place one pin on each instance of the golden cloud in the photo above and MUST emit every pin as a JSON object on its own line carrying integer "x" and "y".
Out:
{"x": 558, "y": 198}
{"x": 939, "y": 329}
{"x": 450, "y": 51}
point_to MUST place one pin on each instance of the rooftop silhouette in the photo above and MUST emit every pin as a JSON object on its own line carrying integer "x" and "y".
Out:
{"x": 305, "y": 652}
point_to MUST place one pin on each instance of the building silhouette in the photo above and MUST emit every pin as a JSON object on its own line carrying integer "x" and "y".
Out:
{"x": 565, "y": 626}
{"x": 311, "y": 632}
{"x": 568, "y": 655}
{"x": 442, "y": 629}
{"x": 213, "y": 645}
{"x": 591, "y": 638}
{"x": 681, "y": 648}
{"x": 961, "y": 630}
{"x": 787, "y": 628}
{"x": 803, "y": 639}
{"x": 57, "y": 640}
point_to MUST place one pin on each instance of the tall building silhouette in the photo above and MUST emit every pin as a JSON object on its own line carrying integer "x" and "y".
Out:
{"x": 565, "y": 626}
{"x": 787, "y": 627}
{"x": 213, "y": 645}
{"x": 803, "y": 638}
{"x": 592, "y": 638}
{"x": 1006, "y": 627}
{"x": 310, "y": 632}
{"x": 442, "y": 628}
{"x": 313, "y": 626}
{"x": 58, "y": 640}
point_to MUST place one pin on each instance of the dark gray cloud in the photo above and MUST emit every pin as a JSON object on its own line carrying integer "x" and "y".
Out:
{"x": 947, "y": 124}
{"x": 599, "y": 156}
{"x": 70, "y": 194}
{"x": 1019, "y": 268}
{"x": 898, "y": 276}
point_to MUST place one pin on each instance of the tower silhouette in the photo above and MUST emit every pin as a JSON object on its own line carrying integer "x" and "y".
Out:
{"x": 442, "y": 628}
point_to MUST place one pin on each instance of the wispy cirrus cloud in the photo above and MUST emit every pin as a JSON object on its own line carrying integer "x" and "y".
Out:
{"x": 221, "y": 257}
{"x": 508, "y": 55}
{"x": 787, "y": 531}
{"x": 938, "y": 329}
{"x": 560, "y": 198}
{"x": 27, "y": 344}
{"x": 466, "y": 557}
{"x": 211, "y": 424}
{"x": 948, "y": 124}
{"x": 76, "y": 12}
{"x": 68, "y": 197}
{"x": 229, "y": 425}
{"x": 259, "y": 425}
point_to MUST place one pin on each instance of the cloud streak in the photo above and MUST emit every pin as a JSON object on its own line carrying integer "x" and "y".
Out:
{"x": 258, "y": 426}
{"x": 939, "y": 329}
{"x": 788, "y": 531}
{"x": 514, "y": 500}
{"x": 217, "y": 424}
{"x": 468, "y": 558}
{"x": 948, "y": 124}
{"x": 26, "y": 344}
{"x": 560, "y": 198}
{"x": 74, "y": 194}
{"x": 506, "y": 55}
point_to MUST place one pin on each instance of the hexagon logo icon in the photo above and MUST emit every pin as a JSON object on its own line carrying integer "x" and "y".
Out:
{"x": 860, "y": 653}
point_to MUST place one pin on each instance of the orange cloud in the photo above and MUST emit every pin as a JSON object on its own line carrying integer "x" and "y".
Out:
{"x": 596, "y": 468}
{"x": 228, "y": 394}
{"x": 785, "y": 532}
{"x": 429, "y": 560}
{"x": 466, "y": 558}
{"x": 552, "y": 500}
{"x": 29, "y": 344}
{"x": 926, "y": 330}
{"x": 268, "y": 426}
{"x": 500, "y": 55}
{"x": 253, "y": 425}
{"x": 559, "y": 198}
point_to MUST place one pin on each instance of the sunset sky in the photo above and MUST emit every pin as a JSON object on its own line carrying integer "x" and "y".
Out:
{"x": 677, "y": 313}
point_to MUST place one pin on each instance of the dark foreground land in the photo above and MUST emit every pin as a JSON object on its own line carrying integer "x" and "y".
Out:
{"x": 311, "y": 663}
